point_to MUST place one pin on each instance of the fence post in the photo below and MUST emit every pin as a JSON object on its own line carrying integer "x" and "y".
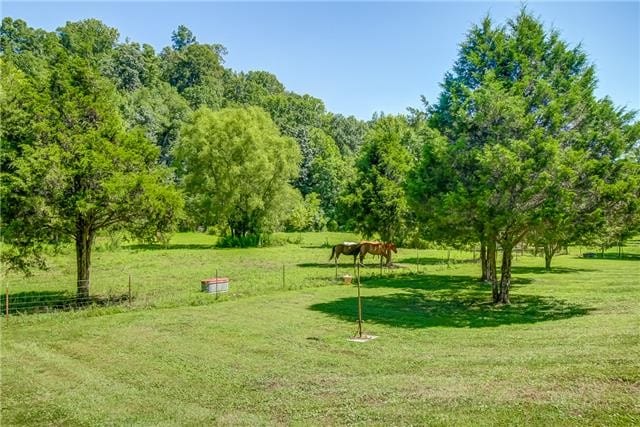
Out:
{"x": 7, "y": 303}
{"x": 359, "y": 306}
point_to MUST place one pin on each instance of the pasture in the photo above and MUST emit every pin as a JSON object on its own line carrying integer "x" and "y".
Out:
{"x": 274, "y": 351}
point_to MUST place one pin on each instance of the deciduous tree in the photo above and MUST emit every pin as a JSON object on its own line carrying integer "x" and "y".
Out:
{"x": 236, "y": 169}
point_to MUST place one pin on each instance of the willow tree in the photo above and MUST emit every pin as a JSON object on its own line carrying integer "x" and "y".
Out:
{"x": 236, "y": 169}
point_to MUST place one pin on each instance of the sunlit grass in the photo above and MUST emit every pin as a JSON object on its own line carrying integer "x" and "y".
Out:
{"x": 566, "y": 352}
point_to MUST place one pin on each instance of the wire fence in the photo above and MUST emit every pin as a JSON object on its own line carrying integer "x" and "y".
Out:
{"x": 147, "y": 291}
{"x": 173, "y": 290}
{"x": 35, "y": 302}
{"x": 46, "y": 301}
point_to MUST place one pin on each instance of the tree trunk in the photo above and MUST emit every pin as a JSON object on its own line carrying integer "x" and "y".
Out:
{"x": 491, "y": 268}
{"x": 549, "y": 252}
{"x": 505, "y": 277}
{"x": 84, "y": 241}
{"x": 619, "y": 249}
{"x": 483, "y": 260}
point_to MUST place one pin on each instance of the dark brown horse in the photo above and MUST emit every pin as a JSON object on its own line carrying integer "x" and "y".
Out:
{"x": 347, "y": 248}
{"x": 377, "y": 248}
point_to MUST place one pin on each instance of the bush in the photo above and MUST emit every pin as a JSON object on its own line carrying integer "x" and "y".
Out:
{"x": 250, "y": 241}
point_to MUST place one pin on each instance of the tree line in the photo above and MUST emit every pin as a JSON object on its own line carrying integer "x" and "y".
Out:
{"x": 101, "y": 135}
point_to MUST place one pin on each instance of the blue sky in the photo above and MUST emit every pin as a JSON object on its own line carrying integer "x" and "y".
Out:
{"x": 361, "y": 57}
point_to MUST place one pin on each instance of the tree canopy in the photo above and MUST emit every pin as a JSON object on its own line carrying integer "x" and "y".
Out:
{"x": 236, "y": 169}
{"x": 376, "y": 201}
{"x": 517, "y": 111}
{"x": 99, "y": 134}
{"x": 71, "y": 168}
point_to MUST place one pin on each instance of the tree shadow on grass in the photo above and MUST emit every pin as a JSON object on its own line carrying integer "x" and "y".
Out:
{"x": 159, "y": 247}
{"x": 517, "y": 269}
{"x": 418, "y": 310}
{"x": 433, "y": 260}
{"x": 368, "y": 265}
{"x": 451, "y": 301}
{"x": 327, "y": 264}
{"x": 436, "y": 282}
{"x": 47, "y": 301}
{"x": 597, "y": 256}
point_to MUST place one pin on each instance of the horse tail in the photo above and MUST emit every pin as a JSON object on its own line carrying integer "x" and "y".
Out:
{"x": 333, "y": 252}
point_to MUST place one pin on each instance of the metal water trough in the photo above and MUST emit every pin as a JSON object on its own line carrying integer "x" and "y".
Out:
{"x": 215, "y": 285}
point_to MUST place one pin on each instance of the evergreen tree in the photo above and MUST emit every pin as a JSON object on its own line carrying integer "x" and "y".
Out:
{"x": 516, "y": 112}
{"x": 376, "y": 202}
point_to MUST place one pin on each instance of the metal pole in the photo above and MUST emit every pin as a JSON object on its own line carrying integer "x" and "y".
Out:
{"x": 359, "y": 306}
{"x": 217, "y": 294}
{"x": 7, "y": 303}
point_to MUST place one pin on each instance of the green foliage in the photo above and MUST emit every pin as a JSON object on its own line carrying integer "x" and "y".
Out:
{"x": 131, "y": 66}
{"x": 89, "y": 39}
{"x": 521, "y": 157}
{"x": 27, "y": 48}
{"x": 250, "y": 88}
{"x": 306, "y": 214}
{"x": 236, "y": 169}
{"x": 182, "y": 37}
{"x": 291, "y": 111}
{"x": 71, "y": 168}
{"x": 195, "y": 70}
{"x": 375, "y": 201}
{"x": 347, "y": 132}
{"x": 160, "y": 111}
{"x": 322, "y": 171}
{"x": 231, "y": 241}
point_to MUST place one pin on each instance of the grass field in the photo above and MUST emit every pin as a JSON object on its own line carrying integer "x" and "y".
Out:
{"x": 565, "y": 352}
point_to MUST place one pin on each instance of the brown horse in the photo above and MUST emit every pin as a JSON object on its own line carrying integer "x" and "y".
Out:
{"x": 347, "y": 248}
{"x": 377, "y": 248}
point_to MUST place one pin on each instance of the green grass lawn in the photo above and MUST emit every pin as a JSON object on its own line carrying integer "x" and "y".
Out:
{"x": 565, "y": 352}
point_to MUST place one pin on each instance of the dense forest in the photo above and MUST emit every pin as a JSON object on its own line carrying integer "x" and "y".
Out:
{"x": 102, "y": 135}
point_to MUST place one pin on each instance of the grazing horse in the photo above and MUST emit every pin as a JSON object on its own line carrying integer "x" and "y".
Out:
{"x": 377, "y": 248}
{"x": 347, "y": 248}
